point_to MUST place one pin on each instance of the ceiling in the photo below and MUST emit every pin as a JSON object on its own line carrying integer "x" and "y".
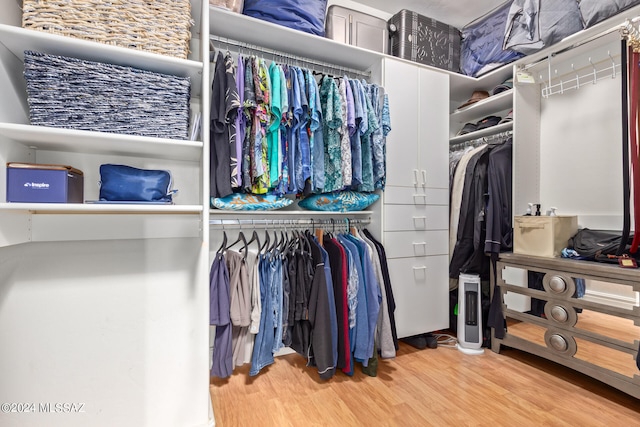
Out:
{"x": 453, "y": 12}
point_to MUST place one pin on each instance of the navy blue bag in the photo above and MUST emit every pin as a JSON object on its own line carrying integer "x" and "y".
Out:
{"x": 120, "y": 183}
{"x": 481, "y": 48}
{"x": 303, "y": 15}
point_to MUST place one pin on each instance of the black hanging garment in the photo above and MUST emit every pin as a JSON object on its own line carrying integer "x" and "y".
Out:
{"x": 224, "y": 107}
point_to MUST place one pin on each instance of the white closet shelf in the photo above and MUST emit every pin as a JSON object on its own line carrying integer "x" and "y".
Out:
{"x": 235, "y": 26}
{"x": 58, "y": 139}
{"x": 493, "y": 104}
{"x": 493, "y": 130}
{"x": 95, "y": 208}
{"x": 18, "y": 39}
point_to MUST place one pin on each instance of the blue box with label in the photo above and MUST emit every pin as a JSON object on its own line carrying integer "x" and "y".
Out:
{"x": 42, "y": 183}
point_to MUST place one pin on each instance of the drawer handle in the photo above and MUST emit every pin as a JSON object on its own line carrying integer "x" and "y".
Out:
{"x": 424, "y": 267}
{"x": 419, "y": 243}
{"x": 423, "y": 218}
{"x": 416, "y": 198}
{"x": 557, "y": 284}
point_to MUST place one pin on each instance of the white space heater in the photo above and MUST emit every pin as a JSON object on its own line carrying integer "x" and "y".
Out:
{"x": 469, "y": 314}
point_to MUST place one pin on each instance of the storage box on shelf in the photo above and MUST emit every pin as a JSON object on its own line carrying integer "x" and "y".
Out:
{"x": 425, "y": 40}
{"x": 85, "y": 95}
{"x": 37, "y": 183}
{"x": 162, "y": 26}
{"x": 358, "y": 29}
{"x": 543, "y": 236}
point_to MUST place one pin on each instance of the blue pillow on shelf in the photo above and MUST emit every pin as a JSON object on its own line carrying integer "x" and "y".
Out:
{"x": 250, "y": 202}
{"x": 343, "y": 201}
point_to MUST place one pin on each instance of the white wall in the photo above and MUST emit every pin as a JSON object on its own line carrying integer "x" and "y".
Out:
{"x": 581, "y": 154}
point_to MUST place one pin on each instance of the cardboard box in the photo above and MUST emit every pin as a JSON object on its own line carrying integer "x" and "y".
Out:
{"x": 34, "y": 183}
{"x": 543, "y": 236}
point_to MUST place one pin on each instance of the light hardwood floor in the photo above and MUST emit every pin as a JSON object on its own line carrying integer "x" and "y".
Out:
{"x": 430, "y": 387}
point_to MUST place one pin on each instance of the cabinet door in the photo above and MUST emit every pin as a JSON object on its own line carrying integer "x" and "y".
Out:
{"x": 421, "y": 291}
{"x": 401, "y": 83}
{"x": 433, "y": 122}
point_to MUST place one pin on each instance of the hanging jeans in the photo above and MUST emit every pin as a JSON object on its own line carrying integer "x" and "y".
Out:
{"x": 263, "y": 347}
{"x": 277, "y": 302}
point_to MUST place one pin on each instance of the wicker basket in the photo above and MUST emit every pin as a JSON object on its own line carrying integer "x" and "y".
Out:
{"x": 75, "y": 94}
{"x": 158, "y": 26}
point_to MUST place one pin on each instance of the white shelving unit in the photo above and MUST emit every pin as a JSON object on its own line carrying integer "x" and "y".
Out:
{"x": 108, "y": 294}
{"x": 499, "y": 102}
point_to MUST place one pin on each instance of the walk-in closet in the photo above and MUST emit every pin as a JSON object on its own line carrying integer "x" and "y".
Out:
{"x": 335, "y": 213}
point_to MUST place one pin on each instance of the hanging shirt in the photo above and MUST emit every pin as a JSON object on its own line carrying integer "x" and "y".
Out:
{"x": 372, "y": 288}
{"x": 232, "y": 102}
{"x": 338, "y": 264}
{"x": 386, "y": 128}
{"x": 316, "y": 140}
{"x": 219, "y": 316}
{"x": 384, "y": 335}
{"x": 321, "y": 352}
{"x": 294, "y": 138}
{"x": 273, "y": 131}
{"x": 240, "y": 307}
{"x": 345, "y": 139}
{"x": 388, "y": 290}
{"x": 285, "y": 124}
{"x": 377, "y": 139}
{"x": 249, "y": 109}
{"x": 222, "y": 110}
{"x": 256, "y": 304}
{"x": 240, "y": 126}
{"x": 359, "y": 334}
{"x": 356, "y": 147}
{"x": 365, "y": 140}
{"x": 263, "y": 116}
{"x": 332, "y": 121}
{"x": 333, "y": 317}
{"x": 303, "y": 157}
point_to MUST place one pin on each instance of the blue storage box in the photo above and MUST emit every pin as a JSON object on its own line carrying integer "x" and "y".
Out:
{"x": 34, "y": 183}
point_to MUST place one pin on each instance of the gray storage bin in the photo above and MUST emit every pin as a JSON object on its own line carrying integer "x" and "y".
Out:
{"x": 425, "y": 40}
{"x": 356, "y": 28}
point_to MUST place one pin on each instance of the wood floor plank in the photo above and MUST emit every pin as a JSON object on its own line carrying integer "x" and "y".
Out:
{"x": 430, "y": 387}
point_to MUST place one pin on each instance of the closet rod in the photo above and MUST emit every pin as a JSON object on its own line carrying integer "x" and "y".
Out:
{"x": 283, "y": 223}
{"x": 491, "y": 139}
{"x": 225, "y": 42}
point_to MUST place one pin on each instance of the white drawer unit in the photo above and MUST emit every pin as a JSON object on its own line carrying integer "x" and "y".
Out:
{"x": 406, "y": 244}
{"x": 409, "y": 218}
{"x": 415, "y": 196}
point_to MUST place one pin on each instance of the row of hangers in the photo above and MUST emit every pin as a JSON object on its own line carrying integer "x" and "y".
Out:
{"x": 286, "y": 241}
